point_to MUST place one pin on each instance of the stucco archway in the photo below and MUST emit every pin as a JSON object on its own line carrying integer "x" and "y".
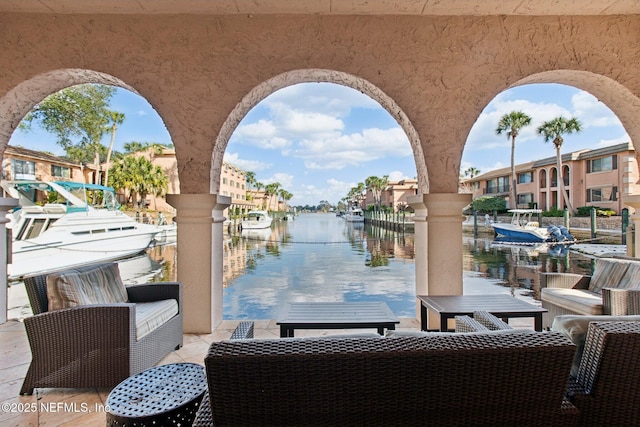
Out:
{"x": 22, "y": 98}
{"x": 615, "y": 95}
{"x": 294, "y": 77}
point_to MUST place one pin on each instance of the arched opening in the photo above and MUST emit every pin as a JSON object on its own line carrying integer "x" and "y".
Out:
{"x": 309, "y": 76}
{"x": 317, "y": 140}
{"x": 35, "y": 156}
{"x": 603, "y": 107}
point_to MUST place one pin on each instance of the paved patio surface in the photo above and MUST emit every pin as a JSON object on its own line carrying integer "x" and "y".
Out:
{"x": 73, "y": 407}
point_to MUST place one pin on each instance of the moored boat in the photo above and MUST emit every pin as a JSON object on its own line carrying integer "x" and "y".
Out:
{"x": 523, "y": 228}
{"x": 83, "y": 225}
{"x": 354, "y": 214}
{"x": 256, "y": 220}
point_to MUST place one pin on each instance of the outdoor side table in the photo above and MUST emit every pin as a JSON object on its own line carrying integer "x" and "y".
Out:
{"x": 166, "y": 395}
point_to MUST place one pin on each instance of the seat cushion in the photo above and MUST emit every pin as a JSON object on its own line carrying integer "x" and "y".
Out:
{"x": 150, "y": 315}
{"x": 631, "y": 279}
{"x": 575, "y": 328}
{"x": 98, "y": 284}
{"x": 608, "y": 273}
{"x": 575, "y": 300}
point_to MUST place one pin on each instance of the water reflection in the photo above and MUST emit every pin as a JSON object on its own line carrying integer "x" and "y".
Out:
{"x": 319, "y": 257}
{"x": 518, "y": 268}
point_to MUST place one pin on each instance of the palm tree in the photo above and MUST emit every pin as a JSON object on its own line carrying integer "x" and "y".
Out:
{"x": 271, "y": 190}
{"x": 471, "y": 172}
{"x": 116, "y": 119}
{"x": 511, "y": 123}
{"x": 377, "y": 185}
{"x": 250, "y": 179}
{"x": 553, "y": 131}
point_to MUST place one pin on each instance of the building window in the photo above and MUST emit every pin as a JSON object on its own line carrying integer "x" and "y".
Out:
{"x": 525, "y": 199}
{"x": 525, "y": 178}
{"x": 23, "y": 169}
{"x": 602, "y": 164}
{"x": 498, "y": 185}
{"x": 224, "y": 181}
{"x": 602, "y": 194}
{"x": 543, "y": 178}
{"x": 231, "y": 183}
{"x": 60, "y": 171}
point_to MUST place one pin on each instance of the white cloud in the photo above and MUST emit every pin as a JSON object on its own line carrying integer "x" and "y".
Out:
{"x": 592, "y": 112}
{"x": 354, "y": 149}
{"x": 246, "y": 165}
{"x": 141, "y": 113}
{"x": 325, "y": 98}
{"x": 286, "y": 180}
{"x": 397, "y": 176}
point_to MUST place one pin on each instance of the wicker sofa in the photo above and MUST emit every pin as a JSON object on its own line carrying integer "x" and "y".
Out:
{"x": 604, "y": 377}
{"x": 614, "y": 289}
{"x": 89, "y": 341}
{"x": 503, "y": 378}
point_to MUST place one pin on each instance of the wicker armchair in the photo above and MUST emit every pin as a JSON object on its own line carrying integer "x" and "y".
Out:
{"x": 605, "y": 389}
{"x": 95, "y": 345}
{"x": 614, "y": 289}
{"x": 444, "y": 379}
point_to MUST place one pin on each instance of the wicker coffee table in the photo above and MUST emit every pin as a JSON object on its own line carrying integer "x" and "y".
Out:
{"x": 167, "y": 395}
{"x": 503, "y": 306}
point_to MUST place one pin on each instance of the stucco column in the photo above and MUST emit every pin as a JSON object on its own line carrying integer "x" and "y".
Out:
{"x": 444, "y": 245}
{"x": 633, "y": 201}
{"x": 200, "y": 258}
{"x": 5, "y": 205}
{"x": 420, "y": 250}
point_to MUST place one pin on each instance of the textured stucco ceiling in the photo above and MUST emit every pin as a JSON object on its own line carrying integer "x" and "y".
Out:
{"x": 329, "y": 7}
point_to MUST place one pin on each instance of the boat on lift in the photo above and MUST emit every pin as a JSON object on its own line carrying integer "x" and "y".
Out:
{"x": 67, "y": 224}
{"x": 523, "y": 228}
{"x": 256, "y": 220}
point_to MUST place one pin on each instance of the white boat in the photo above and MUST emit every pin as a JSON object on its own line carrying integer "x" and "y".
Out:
{"x": 354, "y": 215}
{"x": 523, "y": 228}
{"x": 256, "y": 220}
{"x": 83, "y": 225}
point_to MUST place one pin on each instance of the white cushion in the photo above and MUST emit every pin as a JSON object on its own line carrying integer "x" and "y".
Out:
{"x": 150, "y": 315}
{"x": 575, "y": 300}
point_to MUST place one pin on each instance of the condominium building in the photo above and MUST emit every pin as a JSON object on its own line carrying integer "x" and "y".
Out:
{"x": 599, "y": 177}
{"x": 395, "y": 194}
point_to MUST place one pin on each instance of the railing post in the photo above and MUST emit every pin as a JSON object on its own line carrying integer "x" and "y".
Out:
{"x": 593, "y": 222}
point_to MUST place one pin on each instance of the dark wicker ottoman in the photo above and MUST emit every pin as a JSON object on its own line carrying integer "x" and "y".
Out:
{"x": 167, "y": 395}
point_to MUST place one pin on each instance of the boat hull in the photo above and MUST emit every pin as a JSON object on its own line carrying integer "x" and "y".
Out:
{"x": 535, "y": 235}
{"x": 33, "y": 259}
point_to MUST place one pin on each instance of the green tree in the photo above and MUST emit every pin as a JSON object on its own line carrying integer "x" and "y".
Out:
{"x": 116, "y": 119}
{"x": 78, "y": 117}
{"x": 272, "y": 190}
{"x": 511, "y": 124}
{"x": 471, "y": 172}
{"x": 553, "y": 131}
{"x": 139, "y": 177}
{"x": 376, "y": 185}
{"x": 250, "y": 180}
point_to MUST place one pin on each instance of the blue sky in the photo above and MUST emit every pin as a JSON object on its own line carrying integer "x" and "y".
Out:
{"x": 320, "y": 139}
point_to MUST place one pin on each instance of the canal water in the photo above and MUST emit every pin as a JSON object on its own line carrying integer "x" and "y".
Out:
{"x": 321, "y": 257}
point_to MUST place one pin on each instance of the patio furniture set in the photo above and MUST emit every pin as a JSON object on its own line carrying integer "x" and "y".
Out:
{"x": 485, "y": 373}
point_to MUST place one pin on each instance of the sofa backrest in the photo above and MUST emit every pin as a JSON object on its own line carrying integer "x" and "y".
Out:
{"x": 609, "y": 273}
{"x": 453, "y": 379}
